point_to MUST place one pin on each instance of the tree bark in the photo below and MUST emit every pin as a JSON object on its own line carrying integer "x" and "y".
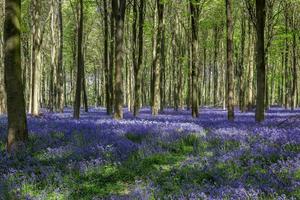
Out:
{"x": 215, "y": 65}
{"x": 79, "y": 80}
{"x": 194, "y": 9}
{"x": 230, "y": 70}
{"x": 119, "y": 7}
{"x": 60, "y": 78}
{"x": 137, "y": 78}
{"x": 157, "y": 60}
{"x": 295, "y": 71}
{"x": 17, "y": 123}
{"x": 35, "y": 59}
{"x": 260, "y": 60}
{"x": 106, "y": 62}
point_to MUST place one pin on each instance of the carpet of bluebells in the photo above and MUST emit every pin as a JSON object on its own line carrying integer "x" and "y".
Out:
{"x": 170, "y": 156}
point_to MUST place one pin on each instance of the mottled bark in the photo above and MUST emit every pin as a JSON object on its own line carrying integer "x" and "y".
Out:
{"x": 119, "y": 7}
{"x": 157, "y": 60}
{"x": 17, "y": 123}
{"x": 36, "y": 58}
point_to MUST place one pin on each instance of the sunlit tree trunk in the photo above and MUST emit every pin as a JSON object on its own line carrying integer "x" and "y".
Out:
{"x": 157, "y": 59}
{"x": 250, "y": 55}
{"x": 35, "y": 59}
{"x": 17, "y": 124}
{"x": 53, "y": 66}
{"x": 119, "y": 7}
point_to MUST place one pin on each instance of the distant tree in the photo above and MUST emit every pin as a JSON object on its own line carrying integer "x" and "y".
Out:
{"x": 194, "y": 9}
{"x": 230, "y": 69}
{"x": 60, "y": 75}
{"x": 295, "y": 54}
{"x": 2, "y": 88}
{"x": 17, "y": 123}
{"x": 108, "y": 93}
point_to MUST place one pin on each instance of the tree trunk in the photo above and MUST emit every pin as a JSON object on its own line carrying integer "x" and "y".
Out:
{"x": 106, "y": 62}
{"x": 157, "y": 60}
{"x": 215, "y": 65}
{"x": 79, "y": 79}
{"x": 35, "y": 59}
{"x": 260, "y": 60}
{"x": 52, "y": 82}
{"x": 137, "y": 78}
{"x": 241, "y": 65}
{"x": 194, "y": 24}
{"x": 119, "y": 7}
{"x": 295, "y": 71}
{"x": 60, "y": 78}
{"x": 230, "y": 70}
{"x": 250, "y": 69}
{"x": 112, "y": 58}
{"x": 17, "y": 123}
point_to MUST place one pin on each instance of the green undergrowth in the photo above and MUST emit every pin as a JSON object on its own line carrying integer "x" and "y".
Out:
{"x": 178, "y": 164}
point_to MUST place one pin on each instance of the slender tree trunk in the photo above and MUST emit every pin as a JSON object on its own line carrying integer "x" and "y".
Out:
{"x": 84, "y": 91}
{"x": 250, "y": 69}
{"x": 230, "y": 70}
{"x": 286, "y": 59}
{"x": 162, "y": 67}
{"x": 215, "y": 65}
{"x": 241, "y": 65}
{"x": 194, "y": 9}
{"x": 79, "y": 79}
{"x": 157, "y": 60}
{"x": 119, "y": 7}
{"x": 17, "y": 123}
{"x": 295, "y": 71}
{"x": 52, "y": 81}
{"x": 60, "y": 78}
{"x": 260, "y": 60}
{"x": 106, "y": 62}
{"x": 36, "y": 59}
{"x": 137, "y": 78}
{"x": 2, "y": 82}
{"x": 112, "y": 57}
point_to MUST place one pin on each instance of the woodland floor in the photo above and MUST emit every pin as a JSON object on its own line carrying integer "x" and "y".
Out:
{"x": 171, "y": 156}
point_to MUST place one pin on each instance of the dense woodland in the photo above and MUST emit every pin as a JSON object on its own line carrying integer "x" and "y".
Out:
{"x": 179, "y": 54}
{"x": 149, "y": 99}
